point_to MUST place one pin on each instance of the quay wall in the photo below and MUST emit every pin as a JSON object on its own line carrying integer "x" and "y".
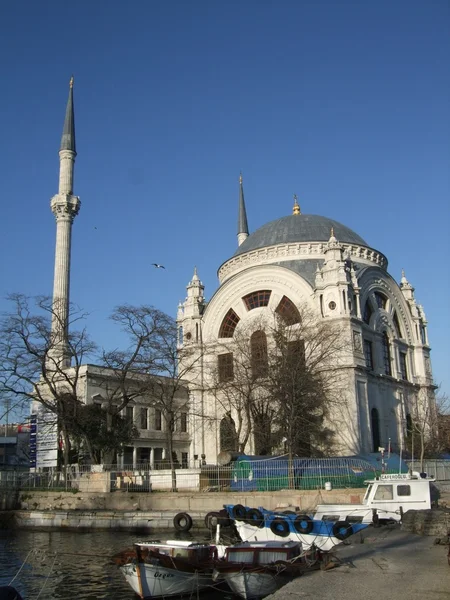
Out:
{"x": 130, "y": 511}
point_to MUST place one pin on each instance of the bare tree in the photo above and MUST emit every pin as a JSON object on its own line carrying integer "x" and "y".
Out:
{"x": 236, "y": 382}
{"x": 280, "y": 378}
{"x": 31, "y": 370}
{"x": 150, "y": 369}
{"x": 425, "y": 434}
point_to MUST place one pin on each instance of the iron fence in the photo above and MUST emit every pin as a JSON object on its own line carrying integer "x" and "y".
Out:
{"x": 243, "y": 475}
{"x": 437, "y": 468}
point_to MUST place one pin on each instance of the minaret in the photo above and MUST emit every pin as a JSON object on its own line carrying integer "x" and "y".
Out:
{"x": 242, "y": 232}
{"x": 65, "y": 207}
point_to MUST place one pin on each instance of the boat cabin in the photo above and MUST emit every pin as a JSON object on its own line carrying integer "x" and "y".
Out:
{"x": 388, "y": 496}
{"x": 262, "y": 553}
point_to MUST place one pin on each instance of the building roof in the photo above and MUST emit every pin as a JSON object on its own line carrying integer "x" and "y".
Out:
{"x": 299, "y": 228}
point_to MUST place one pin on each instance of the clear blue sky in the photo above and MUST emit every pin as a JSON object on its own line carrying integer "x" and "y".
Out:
{"x": 344, "y": 103}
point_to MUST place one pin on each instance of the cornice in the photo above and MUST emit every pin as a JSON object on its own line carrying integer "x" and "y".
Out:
{"x": 282, "y": 252}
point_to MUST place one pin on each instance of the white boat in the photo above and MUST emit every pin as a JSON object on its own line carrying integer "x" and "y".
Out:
{"x": 173, "y": 568}
{"x": 387, "y": 497}
{"x": 261, "y": 525}
{"x": 258, "y": 569}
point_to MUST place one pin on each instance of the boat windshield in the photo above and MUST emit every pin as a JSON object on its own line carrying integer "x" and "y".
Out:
{"x": 369, "y": 489}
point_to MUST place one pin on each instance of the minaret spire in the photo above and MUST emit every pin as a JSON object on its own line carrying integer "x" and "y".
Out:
{"x": 68, "y": 135}
{"x": 65, "y": 207}
{"x": 242, "y": 232}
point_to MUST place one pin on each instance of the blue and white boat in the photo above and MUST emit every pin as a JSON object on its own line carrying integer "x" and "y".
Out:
{"x": 261, "y": 525}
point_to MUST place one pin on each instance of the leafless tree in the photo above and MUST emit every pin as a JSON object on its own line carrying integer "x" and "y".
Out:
{"x": 424, "y": 427}
{"x": 31, "y": 370}
{"x": 152, "y": 369}
{"x": 279, "y": 379}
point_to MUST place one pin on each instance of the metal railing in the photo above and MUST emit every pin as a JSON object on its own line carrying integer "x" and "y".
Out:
{"x": 435, "y": 467}
{"x": 243, "y": 475}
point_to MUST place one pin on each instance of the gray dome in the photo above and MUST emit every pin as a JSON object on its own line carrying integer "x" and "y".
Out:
{"x": 298, "y": 228}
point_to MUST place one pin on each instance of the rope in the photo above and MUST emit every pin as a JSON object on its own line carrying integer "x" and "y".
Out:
{"x": 23, "y": 564}
{"x": 48, "y": 575}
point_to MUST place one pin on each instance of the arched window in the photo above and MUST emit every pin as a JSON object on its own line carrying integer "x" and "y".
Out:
{"x": 409, "y": 424}
{"x": 258, "y": 348}
{"x": 398, "y": 331}
{"x": 288, "y": 311}
{"x": 386, "y": 354}
{"x": 375, "y": 422}
{"x": 229, "y": 324}
{"x": 368, "y": 312}
{"x": 228, "y": 436}
{"x": 257, "y": 299}
{"x": 381, "y": 300}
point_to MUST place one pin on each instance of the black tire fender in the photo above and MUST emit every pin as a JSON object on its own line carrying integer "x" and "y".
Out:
{"x": 342, "y": 530}
{"x": 182, "y": 521}
{"x": 238, "y": 512}
{"x": 280, "y": 527}
{"x": 303, "y": 524}
{"x": 255, "y": 517}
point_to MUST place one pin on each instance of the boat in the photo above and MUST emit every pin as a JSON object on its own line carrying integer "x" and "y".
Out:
{"x": 258, "y": 569}
{"x": 171, "y": 568}
{"x": 260, "y": 524}
{"x": 387, "y": 497}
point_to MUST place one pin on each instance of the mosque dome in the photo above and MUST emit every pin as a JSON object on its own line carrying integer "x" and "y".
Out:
{"x": 299, "y": 228}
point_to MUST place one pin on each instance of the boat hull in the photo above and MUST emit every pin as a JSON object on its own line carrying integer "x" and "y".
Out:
{"x": 251, "y": 585}
{"x": 272, "y": 526}
{"x": 155, "y": 581}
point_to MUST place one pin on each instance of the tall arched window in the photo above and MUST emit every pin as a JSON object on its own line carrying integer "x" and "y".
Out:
{"x": 228, "y": 436}
{"x": 367, "y": 312}
{"x": 375, "y": 422}
{"x": 386, "y": 354}
{"x": 258, "y": 348}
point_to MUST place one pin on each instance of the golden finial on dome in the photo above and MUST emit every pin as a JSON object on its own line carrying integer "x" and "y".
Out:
{"x": 296, "y": 207}
{"x": 71, "y": 82}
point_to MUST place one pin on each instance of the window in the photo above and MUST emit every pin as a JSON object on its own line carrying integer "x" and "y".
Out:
{"x": 158, "y": 420}
{"x": 258, "y": 347}
{"x": 384, "y": 492}
{"x": 287, "y": 310}
{"x": 184, "y": 460}
{"x": 403, "y": 490}
{"x": 296, "y": 353}
{"x": 386, "y": 354}
{"x": 183, "y": 422}
{"x": 398, "y": 331}
{"x": 229, "y": 324}
{"x": 257, "y": 299}
{"x": 380, "y": 300}
{"x": 368, "y": 354}
{"x": 403, "y": 370}
{"x": 129, "y": 416}
{"x": 367, "y": 312}
{"x": 225, "y": 366}
{"x": 375, "y": 422}
{"x": 144, "y": 418}
{"x": 423, "y": 337}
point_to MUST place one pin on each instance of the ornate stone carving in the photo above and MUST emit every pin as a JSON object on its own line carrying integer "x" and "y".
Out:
{"x": 286, "y": 251}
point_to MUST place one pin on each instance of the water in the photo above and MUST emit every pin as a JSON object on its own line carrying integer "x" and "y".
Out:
{"x": 64, "y": 565}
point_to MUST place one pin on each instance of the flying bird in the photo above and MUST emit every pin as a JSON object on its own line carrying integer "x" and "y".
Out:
{"x": 158, "y": 266}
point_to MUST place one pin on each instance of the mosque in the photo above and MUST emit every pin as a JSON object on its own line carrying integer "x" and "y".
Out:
{"x": 299, "y": 260}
